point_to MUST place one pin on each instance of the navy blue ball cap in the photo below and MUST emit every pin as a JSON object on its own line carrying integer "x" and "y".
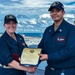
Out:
{"x": 10, "y": 17}
{"x": 57, "y": 5}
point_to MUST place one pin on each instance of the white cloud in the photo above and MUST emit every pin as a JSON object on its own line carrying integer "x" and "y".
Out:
{"x": 20, "y": 25}
{"x": 14, "y": 0}
{"x": 1, "y": 5}
{"x": 69, "y": 7}
{"x": 24, "y": 22}
{"x": 29, "y": 26}
{"x": 45, "y": 16}
{"x": 33, "y": 3}
{"x": 44, "y": 21}
{"x": 69, "y": 16}
{"x": 63, "y": 1}
{"x": 33, "y": 9}
{"x": 33, "y": 21}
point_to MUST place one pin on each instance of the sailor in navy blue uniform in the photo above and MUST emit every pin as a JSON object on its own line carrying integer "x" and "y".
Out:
{"x": 58, "y": 44}
{"x": 11, "y": 46}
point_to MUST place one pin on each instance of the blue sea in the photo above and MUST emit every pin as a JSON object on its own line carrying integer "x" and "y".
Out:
{"x": 33, "y": 34}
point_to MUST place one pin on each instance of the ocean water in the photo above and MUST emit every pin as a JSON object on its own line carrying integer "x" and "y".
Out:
{"x": 33, "y": 34}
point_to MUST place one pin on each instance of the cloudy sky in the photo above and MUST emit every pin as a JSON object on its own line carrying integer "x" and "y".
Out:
{"x": 33, "y": 15}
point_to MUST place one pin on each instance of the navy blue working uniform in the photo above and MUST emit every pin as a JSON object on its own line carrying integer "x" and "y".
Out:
{"x": 10, "y": 50}
{"x": 60, "y": 47}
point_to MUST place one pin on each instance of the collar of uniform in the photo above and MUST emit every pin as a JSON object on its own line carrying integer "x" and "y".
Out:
{"x": 8, "y": 38}
{"x": 60, "y": 28}
{"x": 52, "y": 29}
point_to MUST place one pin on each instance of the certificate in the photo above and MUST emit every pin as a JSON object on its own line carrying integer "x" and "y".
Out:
{"x": 30, "y": 56}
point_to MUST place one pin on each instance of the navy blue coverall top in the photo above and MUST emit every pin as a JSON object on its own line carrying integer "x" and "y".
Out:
{"x": 59, "y": 45}
{"x": 11, "y": 50}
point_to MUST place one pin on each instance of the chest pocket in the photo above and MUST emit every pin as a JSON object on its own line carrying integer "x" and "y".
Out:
{"x": 13, "y": 46}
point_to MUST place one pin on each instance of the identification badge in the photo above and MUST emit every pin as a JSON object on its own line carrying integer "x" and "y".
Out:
{"x": 61, "y": 39}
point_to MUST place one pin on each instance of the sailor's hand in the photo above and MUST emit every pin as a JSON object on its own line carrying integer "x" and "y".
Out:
{"x": 43, "y": 56}
{"x": 31, "y": 69}
{"x": 19, "y": 59}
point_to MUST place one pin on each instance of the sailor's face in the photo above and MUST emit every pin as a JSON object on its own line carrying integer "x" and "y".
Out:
{"x": 10, "y": 26}
{"x": 56, "y": 14}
